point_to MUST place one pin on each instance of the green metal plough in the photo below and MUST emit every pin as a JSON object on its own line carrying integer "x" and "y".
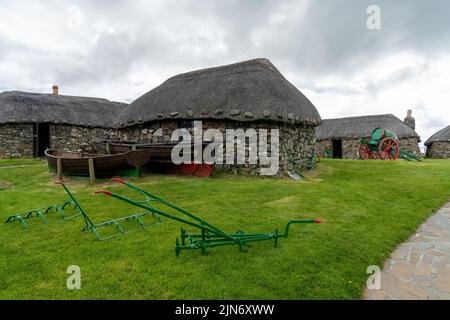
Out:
{"x": 208, "y": 236}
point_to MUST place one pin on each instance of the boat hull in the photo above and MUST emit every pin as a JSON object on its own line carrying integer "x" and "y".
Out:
{"x": 77, "y": 164}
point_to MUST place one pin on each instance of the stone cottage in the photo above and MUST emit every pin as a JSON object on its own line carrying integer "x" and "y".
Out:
{"x": 340, "y": 138}
{"x": 249, "y": 94}
{"x": 438, "y": 146}
{"x": 32, "y": 122}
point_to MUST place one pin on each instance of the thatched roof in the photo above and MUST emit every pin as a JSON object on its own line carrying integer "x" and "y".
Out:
{"x": 246, "y": 91}
{"x": 442, "y": 135}
{"x": 360, "y": 127}
{"x": 25, "y": 107}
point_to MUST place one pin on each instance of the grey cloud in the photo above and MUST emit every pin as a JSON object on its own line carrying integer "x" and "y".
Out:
{"x": 311, "y": 42}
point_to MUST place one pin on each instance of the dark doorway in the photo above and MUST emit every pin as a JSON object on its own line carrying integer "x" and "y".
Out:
{"x": 337, "y": 149}
{"x": 41, "y": 138}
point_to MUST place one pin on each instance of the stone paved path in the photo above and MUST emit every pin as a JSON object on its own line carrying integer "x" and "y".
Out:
{"x": 419, "y": 268}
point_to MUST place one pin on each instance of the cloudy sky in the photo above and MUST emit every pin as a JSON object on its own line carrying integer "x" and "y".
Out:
{"x": 121, "y": 49}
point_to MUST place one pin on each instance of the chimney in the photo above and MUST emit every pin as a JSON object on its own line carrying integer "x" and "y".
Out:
{"x": 55, "y": 90}
{"x": 410, "y": 121}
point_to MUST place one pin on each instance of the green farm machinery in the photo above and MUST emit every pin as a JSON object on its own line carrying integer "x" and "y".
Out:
{"x": 298, "y": 164}
{"x": 90, "y": 226}
{"x": 207, "y": 235}
{"x": 383, "y": 144}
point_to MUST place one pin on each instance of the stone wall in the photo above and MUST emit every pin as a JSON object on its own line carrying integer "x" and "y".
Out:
{"x": 324, "y": 148}
{"x": 299, "y": 140}
{"x": 73, "y": 138}
{"x": 350, "y": 147}
{"x": 16, "y": 140}
{"x": 439, "y": 150}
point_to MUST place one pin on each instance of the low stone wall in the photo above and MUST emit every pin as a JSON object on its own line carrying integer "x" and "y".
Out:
{"x": 299, "y": 140}
{"x": 439, "y": 150}
{"x": 350, "y": 147}
{"x": 16, "y": 140}
{"x": 73, "y": 138}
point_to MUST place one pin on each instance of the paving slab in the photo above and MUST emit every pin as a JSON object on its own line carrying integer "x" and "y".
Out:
{"x": 419, "y": 269}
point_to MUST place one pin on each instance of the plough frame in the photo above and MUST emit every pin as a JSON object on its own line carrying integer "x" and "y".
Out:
{"x": 209, "y": 236}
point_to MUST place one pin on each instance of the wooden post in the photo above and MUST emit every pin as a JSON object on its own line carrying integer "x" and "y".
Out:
{"x": 91, "y": 170}
{"x": 107, "y": 148}
{"x": 133, "y": 147}
{"x": 59, "y": 169}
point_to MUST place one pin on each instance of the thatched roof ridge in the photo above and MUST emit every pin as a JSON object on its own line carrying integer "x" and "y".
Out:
{"x": 26, "y": 107}
{"x": 245, "y": 91}
{"x": 360, "y": 127}
{"x": 441, "y": 135}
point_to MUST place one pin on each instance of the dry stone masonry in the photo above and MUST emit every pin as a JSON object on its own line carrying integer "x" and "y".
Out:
{"x": 16, "y": 140}
{"x": 298, "y": 139}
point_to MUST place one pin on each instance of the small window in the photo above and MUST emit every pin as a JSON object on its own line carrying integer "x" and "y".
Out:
{"x": 185, "y": 124}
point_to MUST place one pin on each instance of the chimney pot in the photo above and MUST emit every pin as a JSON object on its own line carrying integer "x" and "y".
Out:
{"x": 55, "y": 90}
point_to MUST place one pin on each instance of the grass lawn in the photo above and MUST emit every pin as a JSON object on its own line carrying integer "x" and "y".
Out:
{"x": 369, "y": 208}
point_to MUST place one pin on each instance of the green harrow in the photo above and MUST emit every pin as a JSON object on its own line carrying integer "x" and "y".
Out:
{"x": 207, "y": 235}
{"x": 41, "y": 213}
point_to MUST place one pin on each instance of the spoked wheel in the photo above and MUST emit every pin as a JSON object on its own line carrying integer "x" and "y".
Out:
{"x": 388, "y": 149}
{"x": 364, "y": 152}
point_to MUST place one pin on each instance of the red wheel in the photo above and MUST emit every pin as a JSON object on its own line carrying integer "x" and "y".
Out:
{"x": 364, "y": 152}
{"x": 388, "y": 149}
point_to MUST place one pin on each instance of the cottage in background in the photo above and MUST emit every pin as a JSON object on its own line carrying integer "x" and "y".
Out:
{"x": 339, "y": 138}
{"x": 249, "y": 94}
{"x": 438, "y": 146}
{"x": 32, "y": 122}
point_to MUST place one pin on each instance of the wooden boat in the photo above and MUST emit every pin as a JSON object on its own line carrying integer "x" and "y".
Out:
{"x": 159, "y": 152}
{"x": 78, "y": 163}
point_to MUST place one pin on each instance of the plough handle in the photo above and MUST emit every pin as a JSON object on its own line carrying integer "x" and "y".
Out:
{"x": 286, "y": 229}
{"x": 118, "y": 180}
{"x": 108, "y": 193}
{"x": 85, "y": 216}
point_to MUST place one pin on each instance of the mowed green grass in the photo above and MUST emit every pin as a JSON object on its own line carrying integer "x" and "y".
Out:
{"x": 368, "y": 208}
